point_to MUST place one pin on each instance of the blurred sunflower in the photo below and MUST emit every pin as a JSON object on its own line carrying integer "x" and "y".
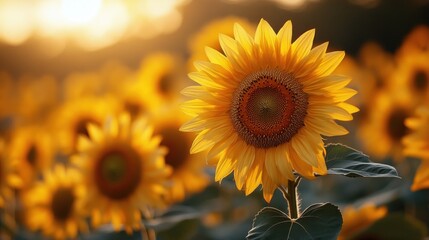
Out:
{"x": 382, "y": 131}
{"x": 71, "y": 119}
{"x": 417, "y": 145}
{"x": 263, "y": 107}
{"x": 357, "y": 220}
{"x": 417, "y": 41}
{"x": 188, "y": 170}
{"x": 124, "y": 171}
{"x": 32, "y": 149}
{"x": 135, "y": 103}
{"x": 412, "y": 75}
{"x": 161, "y": 76}
{"x": 55, "y": 205}
{"x": 209, "y": 36}
{"x": 8, "y": 178}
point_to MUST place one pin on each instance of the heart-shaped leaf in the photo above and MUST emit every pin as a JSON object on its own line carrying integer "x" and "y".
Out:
{"x": 344, "y": 160}
{"x": 319, "y": 221}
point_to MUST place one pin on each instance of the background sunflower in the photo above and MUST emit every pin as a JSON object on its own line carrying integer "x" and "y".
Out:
{"x": 124, "y": 171}
{"x": 55, "y": 205}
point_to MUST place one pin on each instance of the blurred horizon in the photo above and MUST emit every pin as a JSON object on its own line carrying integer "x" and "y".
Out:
{"x": 383, "y": 22}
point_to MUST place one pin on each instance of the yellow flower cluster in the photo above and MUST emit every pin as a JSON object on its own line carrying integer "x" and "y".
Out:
{"x": 103, "y": 144}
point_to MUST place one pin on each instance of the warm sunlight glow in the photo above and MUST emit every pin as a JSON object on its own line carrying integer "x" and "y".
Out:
{"x": 15, "y": 22}
{"x": 79, "y": 12}
{"x": 90, "y": 24}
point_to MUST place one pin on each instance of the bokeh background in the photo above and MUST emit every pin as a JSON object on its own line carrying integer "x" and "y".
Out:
{"x": 56, "y": 53}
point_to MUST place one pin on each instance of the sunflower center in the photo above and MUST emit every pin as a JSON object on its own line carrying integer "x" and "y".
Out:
{"x": 177, "y": 145}
{"x": 268, "y": 108}
{"x": 396, "y": 124}
{"x": 118, "y": 173}
{"x": 420, "y": 80}
{"x": 32, "y": 154}
{"x": 62, "y": 203}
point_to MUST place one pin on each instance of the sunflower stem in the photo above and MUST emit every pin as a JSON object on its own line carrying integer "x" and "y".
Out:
{"x": 293, "y": 198}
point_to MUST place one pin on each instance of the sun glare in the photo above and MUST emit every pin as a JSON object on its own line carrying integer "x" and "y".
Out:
{"x": 79, "y": 12}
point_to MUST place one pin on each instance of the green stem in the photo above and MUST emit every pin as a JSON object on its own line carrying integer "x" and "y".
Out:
{"x": 292, "y": 200}
{"x": 291, "y": 196}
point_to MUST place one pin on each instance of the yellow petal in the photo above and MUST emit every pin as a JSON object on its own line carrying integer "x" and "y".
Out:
{"x": 330, "y": 63}
{"x": 216, "y": 57}
{"x": 421, "y": 178}
{"x": 283, "y": 164}
{"x": 244, "y": 162}
{"x": 254, "y": 176}
{"x": 265, "y": 37}
{"x": 224, "y": 167}
{"x": 200, "y": 143}
{"x": 302, "y": 46}
{"x": 243, "y": 38}
{"x": 285, "y": 38}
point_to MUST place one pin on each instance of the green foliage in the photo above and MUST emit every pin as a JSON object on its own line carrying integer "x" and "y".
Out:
{"x": 394, "y": 227}
{"x": 319, "y": 221}
{"x": 346, "y": 161}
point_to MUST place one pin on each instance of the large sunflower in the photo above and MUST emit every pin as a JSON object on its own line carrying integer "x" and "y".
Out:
{"x": 124, "y": 171}
{"x": 263, "y": 106}
{"x": 188, "y": 170}
{"x": 55, "y": 205}
{"x": 384, "y": 127}
{"x": 417, "y": 144}
{"x": 31, "y": 148}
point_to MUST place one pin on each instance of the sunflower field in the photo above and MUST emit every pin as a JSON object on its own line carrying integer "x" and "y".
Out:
{"x": 213, "y": 120}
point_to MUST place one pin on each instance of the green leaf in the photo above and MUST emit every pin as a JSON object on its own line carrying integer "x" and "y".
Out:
{"x": 344, "y": 160}
{"x": 319, "y": 221}
{"x": 394, "y": 227}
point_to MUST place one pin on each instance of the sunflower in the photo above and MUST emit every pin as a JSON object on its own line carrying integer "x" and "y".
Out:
{"x": 263, "y": 107}
{"x": 8, "y": 179}
{"x": 124, "y": 171}
{"x": 188, "y": 170}
{"x": 357, "y": 220}
{"x": 412, "y": 75}
{"x": 55, "y": 205}
{"x": 208, "y": 36}
{"x": 382, "y": 131}
{"x": 31, "y": 148}
{"x": 135, "y": 103}
{"x": 417, "y": 144}
{"x": 161, "y": 76}
{"x": 71, "y": 119}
